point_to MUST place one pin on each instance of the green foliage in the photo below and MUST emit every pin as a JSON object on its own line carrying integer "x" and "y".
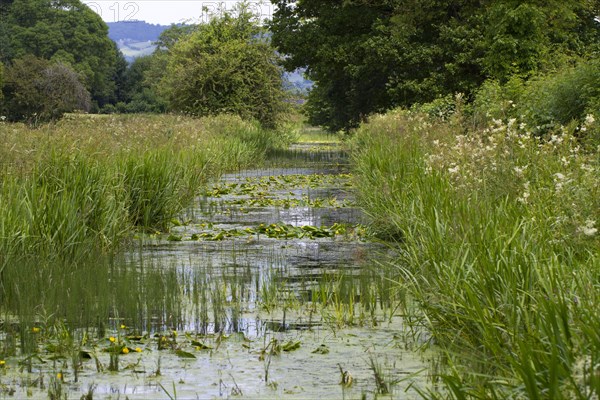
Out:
{"x": 499, "y": 247}
{"x": 370, "y": 56}
{"x": 225, "y": 66}
{"x": 559, "y": 98}
{"x": 1, "y": 85}
{"x": 40, "y": 90}
{"x": 346, "y": 47}
{"x": 65, "y": 31}
{"x": 545, "y": 102}
{"x": 76, "y": 186}
{"x": 139, "y": 85}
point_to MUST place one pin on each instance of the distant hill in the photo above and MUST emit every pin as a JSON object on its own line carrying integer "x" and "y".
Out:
{"x": 137, "y": 38}
{"x": 140, "y": 31}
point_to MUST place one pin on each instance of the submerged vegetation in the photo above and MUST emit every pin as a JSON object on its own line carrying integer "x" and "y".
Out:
{"x": 221, "y": 283}
{"x": 498, "y": 230}
{"x": 118, "y": 240}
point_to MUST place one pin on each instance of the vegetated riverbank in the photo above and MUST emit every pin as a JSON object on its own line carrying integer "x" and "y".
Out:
{"x": 501, "y": 248}
{"x": 262, "y": 287}
{"x": 78, "y": 188}
{"x": 85, "y": 183}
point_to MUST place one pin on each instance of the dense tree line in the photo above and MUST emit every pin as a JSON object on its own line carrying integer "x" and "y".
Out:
{"x": 372, "y": 55}
{"x": 57, "y": 57}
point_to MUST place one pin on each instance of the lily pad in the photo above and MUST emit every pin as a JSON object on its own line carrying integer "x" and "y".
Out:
{"x": 184, "y": 354}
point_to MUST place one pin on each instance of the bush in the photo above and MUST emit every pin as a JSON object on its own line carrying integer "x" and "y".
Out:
{"x": 566, "y": 96}
{"x": 546, "y": 102}
{"x": 226, "y": 66}
{"x": 37, "y": 90}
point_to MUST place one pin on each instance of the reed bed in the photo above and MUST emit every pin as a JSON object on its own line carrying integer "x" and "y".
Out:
{"x": 86, "y": 182}
{"x": 500, "y": 249}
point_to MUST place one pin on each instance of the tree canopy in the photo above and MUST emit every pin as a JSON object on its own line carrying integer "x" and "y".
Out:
{"x": 371, "y": 55}
{"x": 224, "y": 66}
{"x": 64, "y": 31}
{"x": 40, "y": 90}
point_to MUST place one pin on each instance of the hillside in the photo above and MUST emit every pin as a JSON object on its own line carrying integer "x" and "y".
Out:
{"x": 135, "y": 38}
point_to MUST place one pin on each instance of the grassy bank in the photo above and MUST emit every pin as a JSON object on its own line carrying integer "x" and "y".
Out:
{"x": 501, "y": 249}
{"x": 85, "y": 183}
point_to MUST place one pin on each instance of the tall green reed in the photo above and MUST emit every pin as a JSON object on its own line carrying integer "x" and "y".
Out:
{"x": 494, "y": 249}
{"x": 72, "y": 193}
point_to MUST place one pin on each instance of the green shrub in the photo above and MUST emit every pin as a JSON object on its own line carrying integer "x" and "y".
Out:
{"x": 545, "y": 102}
{"x": 37, "y": 90}
{"x": 226, "y": 66}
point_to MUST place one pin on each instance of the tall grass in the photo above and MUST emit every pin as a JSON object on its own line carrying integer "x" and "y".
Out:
{"x": 500, "y": 249}
{"x": 84, "y": 183}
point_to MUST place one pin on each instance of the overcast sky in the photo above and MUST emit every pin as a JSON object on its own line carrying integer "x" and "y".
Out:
{"x": 166, "y": 12}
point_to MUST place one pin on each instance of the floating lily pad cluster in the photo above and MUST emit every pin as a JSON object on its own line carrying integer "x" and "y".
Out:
{"x": 278, "y": 231}
{"x": 264, "y": 186}
{"x": 285, "y": 203}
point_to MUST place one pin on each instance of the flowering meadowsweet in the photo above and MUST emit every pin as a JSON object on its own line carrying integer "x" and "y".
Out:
{"x": 589, "y": 228}
{"x": 454, "y": 169}
{"x": 520, "y": 170}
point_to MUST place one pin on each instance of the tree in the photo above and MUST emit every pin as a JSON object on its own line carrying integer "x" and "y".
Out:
{"x": 40, "y": 90}
{"x": 368, "y": 56}
{"x": 139, "y": 88}
{"x": 65, "y": 31}
{"x": 225, "y": 66}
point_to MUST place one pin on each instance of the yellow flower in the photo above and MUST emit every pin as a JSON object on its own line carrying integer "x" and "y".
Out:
{"x": 138, "y": 350}
{"x": 125, "y": 350}
{"x": 2, "y": 363}
{"x": 112, "y": 339}
{"x": 35, "y": 329}
{"x": 123, "y": 326}
{"x": 59, "y": 376}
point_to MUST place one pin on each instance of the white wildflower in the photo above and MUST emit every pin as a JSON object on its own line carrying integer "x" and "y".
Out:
{"x": 556, "y": 139}
{"x": 454, "y": 170}
{"x": 589, "y": 119}
{"x": 525, "y": 196}
{"x": 589, "y": 228}
{"x": 520, "y": 170}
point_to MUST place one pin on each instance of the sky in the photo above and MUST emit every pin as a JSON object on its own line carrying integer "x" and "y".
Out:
{"x": 166, "y": 12}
